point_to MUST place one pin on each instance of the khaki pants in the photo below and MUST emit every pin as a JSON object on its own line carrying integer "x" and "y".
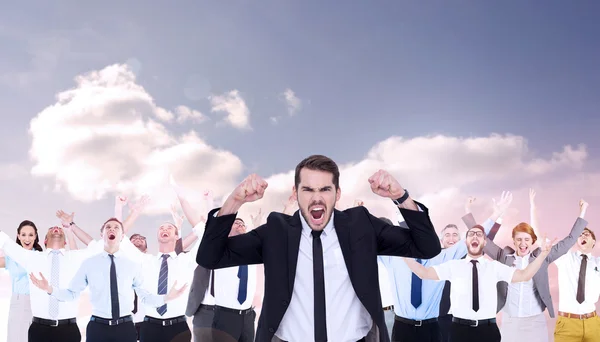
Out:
{"x": 577, "y": 330}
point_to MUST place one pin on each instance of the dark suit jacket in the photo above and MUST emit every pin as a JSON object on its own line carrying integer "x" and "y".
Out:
{"x": 275, "y": 244}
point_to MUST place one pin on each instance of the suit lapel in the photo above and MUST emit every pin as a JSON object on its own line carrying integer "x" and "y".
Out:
{"x": 340, "y": 222}
{"x": 294, "y": 232}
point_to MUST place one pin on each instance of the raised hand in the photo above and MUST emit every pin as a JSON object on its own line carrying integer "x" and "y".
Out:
{"x": 140, "y": 205}
{"x": 384, "y": 185}
{"x": 42, "y": 283}
{"x": 175, "y": 292}
{"x": 546, "y": 245}
{"x": 257, "y": 219}
{"x": 583, "y": 205}
{"x": 120, "y": 201}
{"x": 177, "y": 218}
{"x": 358, "y": 203}
{"x": 469, "y": 204}
{"x": 503, "y": 204}
{"x": 65, "y": 218}
{"x": 250, "y": 189}
{"x": 531, "y": 196}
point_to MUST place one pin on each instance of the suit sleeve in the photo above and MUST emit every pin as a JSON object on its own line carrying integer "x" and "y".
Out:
{"x": 218, "y": 250}
{"x": 418, "y": 241}
{"x": 563, "y": 246}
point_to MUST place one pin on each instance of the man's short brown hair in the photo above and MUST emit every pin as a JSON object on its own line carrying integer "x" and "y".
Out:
{"x": 591, "y": 233}
{"x": 318, "y": 162}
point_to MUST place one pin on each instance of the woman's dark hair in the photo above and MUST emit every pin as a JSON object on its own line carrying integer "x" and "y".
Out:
{"x": 36, "y": 243}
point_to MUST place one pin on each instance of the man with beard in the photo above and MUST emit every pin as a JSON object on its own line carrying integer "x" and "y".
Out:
{"x": 578, "y": 291}
{"x": 111, "y": 297}
{"x": 53, "y": 321}
{"x": 473, "y": 293}
{"x": 417, "y": 306}
{"x": 305, "y": 297}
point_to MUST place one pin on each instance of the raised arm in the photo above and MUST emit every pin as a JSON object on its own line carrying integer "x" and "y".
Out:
{"x": 71, "y": 241}
{"x": 77, "y": 285}
{"x": 69, "y": 224}
{"x": 135, "y": 210}
{"x": 533, "y": 215}
{"x": 120, "y": 202}
{"x": 18, "y": 254}
{"x": 528, "y": 272}
{"x": 421, "y": 271}
{"x": 564, "y": 245}
{"x": 290, "y": 206}
{"x": 217, "y": 249}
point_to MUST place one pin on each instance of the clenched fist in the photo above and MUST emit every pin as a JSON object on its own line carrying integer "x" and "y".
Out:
{"x": 250, "y": 189}
{"x": 384, "y": 185}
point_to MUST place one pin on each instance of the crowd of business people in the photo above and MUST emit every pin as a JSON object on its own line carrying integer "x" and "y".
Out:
{"x": 328, "y": 274}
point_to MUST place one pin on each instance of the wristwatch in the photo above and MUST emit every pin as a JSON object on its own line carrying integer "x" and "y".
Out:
{"x": 401, "y": 199}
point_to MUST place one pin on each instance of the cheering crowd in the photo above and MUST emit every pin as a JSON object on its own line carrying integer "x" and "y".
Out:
{"x": 328, "y": 274}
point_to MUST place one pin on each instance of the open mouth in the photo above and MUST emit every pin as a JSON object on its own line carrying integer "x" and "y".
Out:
{"x": 55, "y": 231}
{"x": 317, "y": 214}
{"x": 523, "y": 249}
{"x": 164, "y": 235}
{"x": 583, "y": 242}
{"x": 27, "y": 243}
{"x": 112, "y": 236}
{"x": 451, "y": 243}
{"x": 475, "y": 244}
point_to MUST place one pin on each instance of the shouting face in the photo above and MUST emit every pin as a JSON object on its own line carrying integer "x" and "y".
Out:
{"x": 316, "y": 195}
{"x": 450, "y": 236}
{"x": 586, "y": 241}
{"x": 475, "y": 241}
{"x": 522, "y": 242}
{"x": 112, "y": 233}
{"x": 27, "y": 237}
{"x": 167, "y": 233}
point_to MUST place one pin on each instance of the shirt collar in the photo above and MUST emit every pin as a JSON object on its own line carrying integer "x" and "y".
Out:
{"x": 171, "y": 255}
{"x": 60, "y": 251}
{"x": 589, "y": 255}
{"x": 480, "y": 260}
{"x": 306, "y": 228}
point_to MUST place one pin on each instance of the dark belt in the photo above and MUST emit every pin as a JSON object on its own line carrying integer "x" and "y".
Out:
{"x": 388, "y": 308}
{"x": 164, "y": 322}
{"x": 416, "y": 323}
{"x": 54, "y": 322}
{"x": 207, "y": 307}
{"x": 117, "y": 321}
{"x": 236, "y": 311}
{"x": 474, "y": 323}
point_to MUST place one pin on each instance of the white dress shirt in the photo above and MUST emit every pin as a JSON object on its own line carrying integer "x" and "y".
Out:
{"x": 347, "y": 319}
{"x": 384, "y": 285}
{"x": 460, "y": 275}
{"x": 181, "y": 270}
{"x": 227, "y": 285}
{"x": 568, "y": 277}
{"x": 521, "y": 300}
{"x": 95, "y": 273}
{"x": 41, "y": 262}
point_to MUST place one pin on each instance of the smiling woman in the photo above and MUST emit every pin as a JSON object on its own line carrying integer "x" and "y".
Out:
{"x": 19, "y": 316}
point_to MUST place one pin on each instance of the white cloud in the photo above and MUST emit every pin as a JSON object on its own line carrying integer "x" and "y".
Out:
{"x": 292, "y": 101}
{"x": 100, "y": 137}
{"x": 185, "y": 113}
{"x": 234, "y": 106}
{"x": 12, "y": 171}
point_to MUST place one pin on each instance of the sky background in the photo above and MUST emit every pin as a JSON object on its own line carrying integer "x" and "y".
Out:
{"x": 454, "y": 98}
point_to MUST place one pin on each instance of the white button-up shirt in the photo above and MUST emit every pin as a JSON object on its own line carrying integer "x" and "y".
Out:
{"x": 460, "y": 275}
{"x": 521, "y": 300}
{"x": 347, "y": 319}
{"x": 568, "y": 278}
{"x": 227, "y": 285}
{"x": 181, "y": 270}
{"x": 41, "y": 262}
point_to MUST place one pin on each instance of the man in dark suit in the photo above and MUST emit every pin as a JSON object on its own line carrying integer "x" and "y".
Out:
{"x": 321, "y": 280}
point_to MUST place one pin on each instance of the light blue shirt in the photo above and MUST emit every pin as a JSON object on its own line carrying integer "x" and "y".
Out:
{"x": 95, "y": 273}
{"x": 400, "y": 275}
{"x": 18, "y": 276}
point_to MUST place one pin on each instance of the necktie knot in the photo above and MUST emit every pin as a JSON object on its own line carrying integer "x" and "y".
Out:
{"x": 112, "y": 256}
{"x": 584, "y": 256}
{"x": 316, "y": 234}
{"x": 165, "y": 256}
{"x": 474, "y": 262}
{"x": 55, "y": 251}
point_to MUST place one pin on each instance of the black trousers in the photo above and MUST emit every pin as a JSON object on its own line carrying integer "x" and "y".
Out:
{"x": 138, "y": 327}
{"x": 465, "y": 333}
{"x": 98, "y": 332}
{"x": 202, "y": 323}
{"x": 445, "y": 324}
{"x": 238, "y": 325}
{"x": 178, "y": 332}
{"x": 407, "y": 332}
{"x": 62, "y": 333}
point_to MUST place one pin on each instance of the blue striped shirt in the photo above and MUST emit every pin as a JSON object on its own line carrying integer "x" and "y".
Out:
{"x": 18, "y": 276}
{"x": 400, "y": 277}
